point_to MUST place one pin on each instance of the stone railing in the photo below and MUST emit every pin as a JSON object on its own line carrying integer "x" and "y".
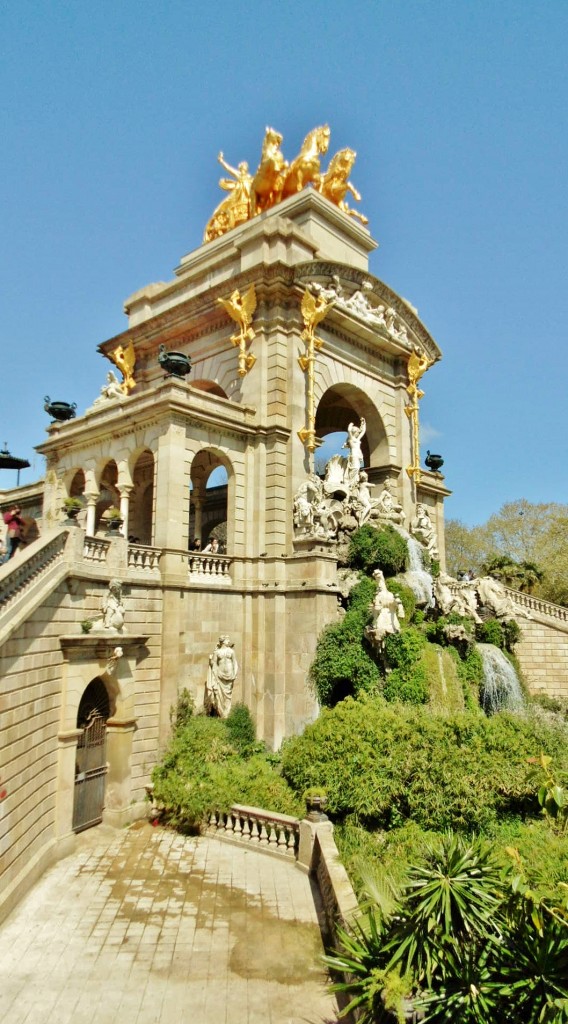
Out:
{"x": 95, "y": 549}
{"x": 265, "y": 829}
{"x": 208, "y": 568}
{"x": 144, "y": 558}
{"x": 538, "y": 605}
{"x": 28, "y": 567}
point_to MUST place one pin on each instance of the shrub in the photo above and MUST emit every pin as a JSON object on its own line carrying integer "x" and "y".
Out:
{"x": 406, "y": 597}
{"x": 457, "y": 771}
{"x": 342, "y": 667}
{"x": 370, "y": 548}
{"x": 241, "y": 729}
{"x": 183, "y": 710}
{"x": 410, "y": 687}
{"x": 403, "y": 649}
{"x": 490, "y": 632}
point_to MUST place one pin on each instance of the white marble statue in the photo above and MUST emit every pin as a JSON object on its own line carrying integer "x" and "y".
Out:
{"x": 113, "y": 608}
{"x": 387, "y": 508}
{"x": 355, "y": 459}
{"x": 387, "y": 612}
{"x": 109, "y": 391}
{"x": 422, "y": 528}
{"x": 221, "y": 675}
{"x": 359, "y": 303}
{"x": 451, "y": 596}
{"x": 493, "y": 596}
{"x": 361, "y": 502}
{"x": 113, "y": 661}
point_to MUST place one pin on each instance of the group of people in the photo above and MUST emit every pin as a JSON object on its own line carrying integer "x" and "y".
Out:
{"x": 213, "y": 546}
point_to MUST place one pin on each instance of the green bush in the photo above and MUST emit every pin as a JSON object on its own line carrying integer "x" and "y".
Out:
{"x": 202, "y": 772}
{"x": 490, "y": 632}
{"x": 183, "y": 710}
{"x": 403, "y": 649}
{"x": 409, "y": 686}
{"x": 370, "y": 548}
{"x": 241, "y": 729}
{"x": 406, "y": 597}
{"x": 383, "y": 764}
{"x": 342, "y": 667}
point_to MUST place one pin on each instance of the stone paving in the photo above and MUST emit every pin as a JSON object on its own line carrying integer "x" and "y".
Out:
{"x": 145, "y": 926}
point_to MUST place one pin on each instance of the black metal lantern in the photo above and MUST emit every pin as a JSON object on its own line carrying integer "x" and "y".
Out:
{"x": 8, "y": 461}
{"x": 176, "y": 364}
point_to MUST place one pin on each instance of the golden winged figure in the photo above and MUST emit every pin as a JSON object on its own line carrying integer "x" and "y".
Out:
{"x": 418, "y": 363}
{"x": 313, "y": 310}
{"x": 125, "y": 359}
{"x": 241, "y": 309}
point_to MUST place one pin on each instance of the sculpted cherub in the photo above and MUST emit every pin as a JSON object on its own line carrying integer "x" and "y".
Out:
{"x": 334, "y": 184}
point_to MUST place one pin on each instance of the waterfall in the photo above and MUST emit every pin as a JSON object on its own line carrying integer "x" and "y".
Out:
{"x": 416, "y": 578}
{"x": 501, "y": 690}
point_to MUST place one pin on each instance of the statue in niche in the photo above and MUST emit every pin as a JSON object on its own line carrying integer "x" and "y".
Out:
{"x": 221, "y": 675}
{"x": 422, "y": 528}
{"x": 387, "y": 612}
{"x": 387, "y": 508}
{"x": 113, "y": 608}
{"x": 355, "y": 435}
{"x": 237, "y": 207}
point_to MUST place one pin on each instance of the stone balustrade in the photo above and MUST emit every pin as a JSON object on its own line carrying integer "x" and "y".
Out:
{"x": 277, "y": 832}
{"x": 143, "y": 558}
{"x": 538, "y": 605}
{"x": 208, "y": 568}
{"x": 95, "y": 549}
{"x": 29, "y": 566}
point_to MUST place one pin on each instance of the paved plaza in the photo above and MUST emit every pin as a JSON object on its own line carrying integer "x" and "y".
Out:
{"x": 145, "y": 926}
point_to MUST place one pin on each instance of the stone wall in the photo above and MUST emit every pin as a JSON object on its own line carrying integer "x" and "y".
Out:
{"x": 38, "y": 706}
{"x": 543, "y": 655}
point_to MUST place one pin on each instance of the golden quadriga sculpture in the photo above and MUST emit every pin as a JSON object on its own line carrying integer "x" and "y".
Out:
{"x": 275, "y": 180}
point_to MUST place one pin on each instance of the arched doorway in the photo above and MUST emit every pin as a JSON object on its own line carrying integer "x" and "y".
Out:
{"x": 141, "y": 499}
{"x": 341, "y": 405}
{"x": 108, "y": 491}
{"x": 208, "y": 499}
{"x": 91, "y": 764}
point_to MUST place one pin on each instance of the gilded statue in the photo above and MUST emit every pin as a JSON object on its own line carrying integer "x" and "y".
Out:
{"x": 269, "y": 179}
{"x": 125, "y": 359}
{"x": 334, "y": 184}
{"x": 314, "y": 309}
{"x": 236, "y": 208}
{"x": 306, "y": 167}
{"x": 241, "y": 309}
{"x": 418, "y": 363}
{"x": 275, "y": 179}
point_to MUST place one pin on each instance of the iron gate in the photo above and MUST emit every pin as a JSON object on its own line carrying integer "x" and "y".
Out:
{"x": 90, "y": 775}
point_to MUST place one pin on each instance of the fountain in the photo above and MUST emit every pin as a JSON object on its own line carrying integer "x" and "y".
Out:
{"x": 501, "y": 690}
{"x": 417, "y": 578}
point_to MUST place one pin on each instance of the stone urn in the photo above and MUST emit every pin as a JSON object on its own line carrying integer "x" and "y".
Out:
{"x": 60, "y": 411}
{"x": 176, "y": 364}
{"x": 434, "y": 462}
{"x": 316, "y": 802}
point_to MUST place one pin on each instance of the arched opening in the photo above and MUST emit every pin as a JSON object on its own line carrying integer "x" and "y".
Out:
{"x": 141, "y": 500}
{"x": 76, "y": 487}
{"x": 338, "y": 407}
{"x": 108, "y": 491}
{"x": 91, "y": 765}
{"x": 210, "y": 386}
{"x": 208, "y": 500}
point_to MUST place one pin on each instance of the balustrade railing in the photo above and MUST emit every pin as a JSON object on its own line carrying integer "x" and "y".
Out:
{"x": 278, "y": 832}
{"x": 25, "y": 569}
{"x": 209, "y": 568}
{"x": 142, "y": 557}
{"x": 528, "y": 601}
{"x": 95, "y": 549}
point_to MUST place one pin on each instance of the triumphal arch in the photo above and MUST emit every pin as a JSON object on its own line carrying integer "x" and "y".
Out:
{"x": 290, "y": 338}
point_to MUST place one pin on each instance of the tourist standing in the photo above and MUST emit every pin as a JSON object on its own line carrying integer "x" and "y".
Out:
{"x": 14, "y": 526}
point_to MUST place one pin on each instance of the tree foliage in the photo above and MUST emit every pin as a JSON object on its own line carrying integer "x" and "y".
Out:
{"x": 532, "y": 537}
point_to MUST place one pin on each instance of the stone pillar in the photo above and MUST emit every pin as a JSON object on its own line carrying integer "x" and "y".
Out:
{"x": 118, "y": 810}
{"x": 125, "y": 492}
{"x": 198, "y": 507}
{"x": 91, "y": 510}
{"x": 172, "y": 489}
{"x": 67, "y": 757}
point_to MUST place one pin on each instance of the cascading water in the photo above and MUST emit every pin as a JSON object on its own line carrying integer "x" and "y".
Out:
{"x": 416, "y": 578}
{"x": 501, "y": 690}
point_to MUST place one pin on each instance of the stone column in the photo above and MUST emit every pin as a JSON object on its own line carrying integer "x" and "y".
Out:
{"x": 118, "y": 810}
{"x": 198, "y": 506}
{"x": 125, "y": 492}
{"x": 172, "y": 489}
{"x": 91, "y": 510}
{"x": 67, "y": 757}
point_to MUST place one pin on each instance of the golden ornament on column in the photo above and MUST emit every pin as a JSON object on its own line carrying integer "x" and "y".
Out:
{"x": 418, "y": 363}
{"x": 125, "y": 359}
{"x": 241, "y": 309}
{"x": 313, "y": 311}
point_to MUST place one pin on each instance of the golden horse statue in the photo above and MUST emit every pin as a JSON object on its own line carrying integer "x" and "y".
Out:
{"x": 334, "y": 184}
{"x": 306, "y": 167}
{"x": 268, "y": 181}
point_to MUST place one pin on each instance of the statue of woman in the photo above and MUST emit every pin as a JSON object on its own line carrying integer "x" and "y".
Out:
{"x": 387, "y": 611}
{"x": 355, "y": 458}
{"x": 113, "y": 608}
{"x": 236, "y": 208}
{"x": 221, "y": 675}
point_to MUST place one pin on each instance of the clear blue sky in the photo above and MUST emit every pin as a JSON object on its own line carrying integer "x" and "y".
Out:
{"x": 112, "y": 115}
